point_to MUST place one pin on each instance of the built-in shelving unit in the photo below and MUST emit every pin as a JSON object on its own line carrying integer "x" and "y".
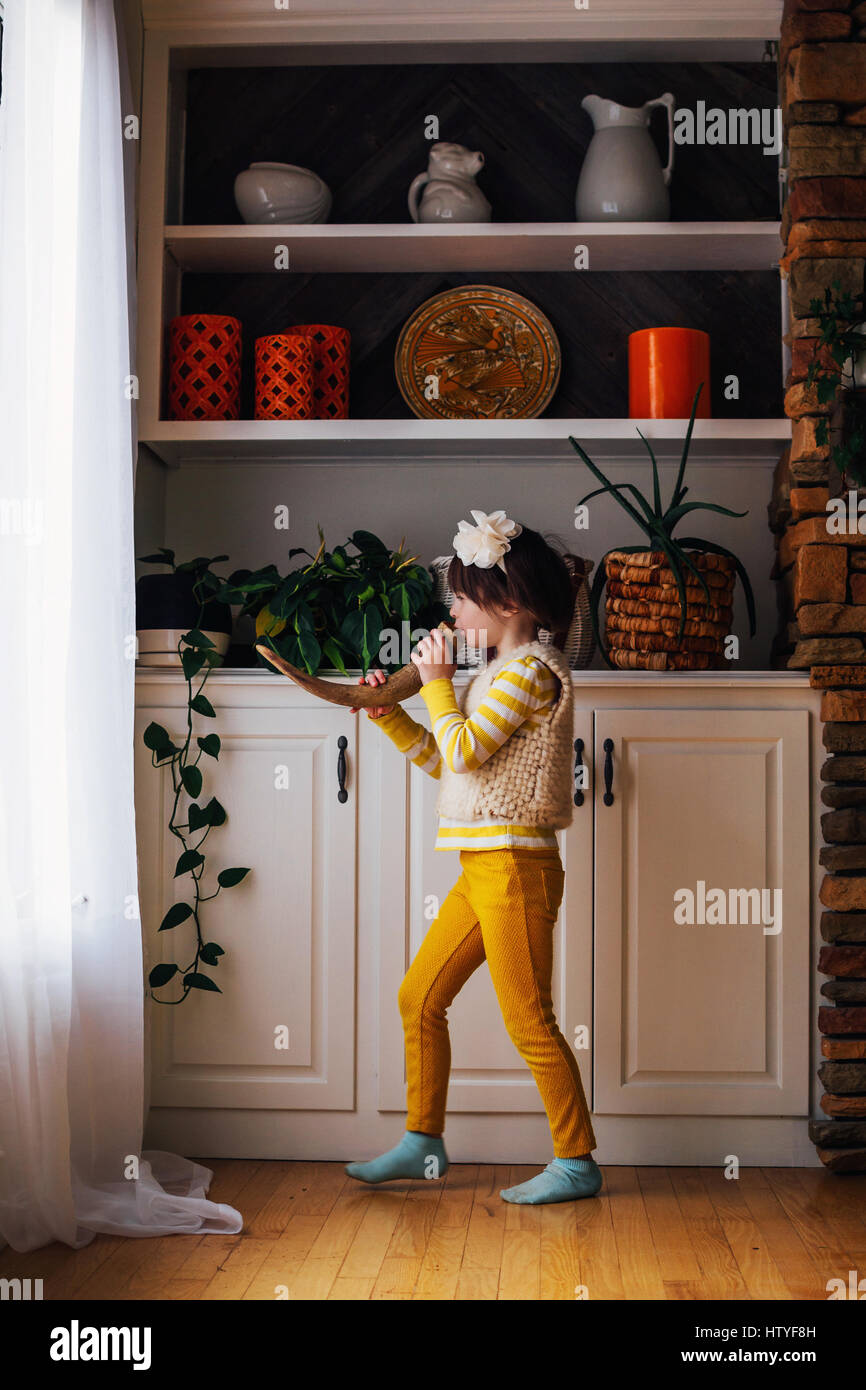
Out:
{"x": 304, "y": 94}
{"x": 172, "y": 249}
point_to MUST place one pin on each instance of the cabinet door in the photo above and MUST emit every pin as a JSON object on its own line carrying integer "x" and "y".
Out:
{"x": 710, "y": 1017}
{"x": 488, "y": 1075}
{"x": 288, "y": 929}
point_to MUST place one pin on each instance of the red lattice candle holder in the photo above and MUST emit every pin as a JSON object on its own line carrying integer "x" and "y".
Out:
{"x": 331, "y": 346}
{"x": 284, "y": 377}
{"x": 204, "y": 367}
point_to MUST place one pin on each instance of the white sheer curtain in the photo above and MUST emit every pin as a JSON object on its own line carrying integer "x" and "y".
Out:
{"x": 71, "y": 973}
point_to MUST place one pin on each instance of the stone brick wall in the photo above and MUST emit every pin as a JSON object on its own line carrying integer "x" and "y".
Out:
{"x": 822, "y": 576}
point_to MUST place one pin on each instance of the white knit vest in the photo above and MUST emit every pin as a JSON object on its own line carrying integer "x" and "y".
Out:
{"x": 528, "y": 781}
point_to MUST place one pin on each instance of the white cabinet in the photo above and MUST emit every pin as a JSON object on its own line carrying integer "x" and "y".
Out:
{"x": 693, "y": 1040}
{"x": 288, "y": 929}
{"x": 702, "y": 1016}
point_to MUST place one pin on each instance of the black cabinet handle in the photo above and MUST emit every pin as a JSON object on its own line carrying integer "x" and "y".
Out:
{"x": 608, "y": 771}
{"x": 578, "y": 767}
{"x": 342, "y": 744}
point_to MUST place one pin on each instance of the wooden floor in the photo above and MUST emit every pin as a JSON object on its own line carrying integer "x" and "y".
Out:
{"x": 652, "y": 1233}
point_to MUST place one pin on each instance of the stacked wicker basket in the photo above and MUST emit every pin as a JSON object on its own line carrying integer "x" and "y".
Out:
{"x": 643, "y": 612}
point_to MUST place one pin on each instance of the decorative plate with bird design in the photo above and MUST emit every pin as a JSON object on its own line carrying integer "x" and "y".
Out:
{"x": 477, "y": 353}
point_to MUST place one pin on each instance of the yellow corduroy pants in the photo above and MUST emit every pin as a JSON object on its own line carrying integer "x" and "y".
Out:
{"x": 503, "y": 908}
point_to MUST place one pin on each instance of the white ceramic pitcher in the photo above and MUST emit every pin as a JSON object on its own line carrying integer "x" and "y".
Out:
{"x": 451, "y": 193}
{"x": 622, "y": 179}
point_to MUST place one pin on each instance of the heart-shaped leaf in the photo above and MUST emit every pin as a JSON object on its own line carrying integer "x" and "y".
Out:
{"x": 227, "y": 878}
{"x": 191, "y": 778}
{"x": 201, "y": 705}
{"x": 196, "y": 638}
{"x": 161, "y": 974}
{"x": 191, "y": 662}
{"x": 190, "y": 859}
{"x": 175, "y": 915}
{"x": 156, "y": 737}
{"x": 196, "y": 981}
{"x": 214, "y": 813}
{"x": 162, "y": 557}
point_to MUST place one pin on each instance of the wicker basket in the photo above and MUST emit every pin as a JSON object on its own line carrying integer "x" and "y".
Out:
{"x": 642, "y": 609}
{"x": 577, "y": 642}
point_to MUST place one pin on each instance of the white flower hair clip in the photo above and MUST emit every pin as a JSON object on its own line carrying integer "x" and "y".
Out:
{"x": 485, "y": 543}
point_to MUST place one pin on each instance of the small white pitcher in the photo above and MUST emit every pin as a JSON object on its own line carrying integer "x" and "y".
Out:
{"x": 451, "y": 193}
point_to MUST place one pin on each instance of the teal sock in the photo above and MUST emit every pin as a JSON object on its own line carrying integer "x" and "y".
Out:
{"x": 577, "y": 1165}
{"x": 563, "y": 1180}
{"x": 416, "y": 1156}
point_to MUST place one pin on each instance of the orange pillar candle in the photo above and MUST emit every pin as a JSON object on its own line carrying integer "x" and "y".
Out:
{"x": 665, "y": 368}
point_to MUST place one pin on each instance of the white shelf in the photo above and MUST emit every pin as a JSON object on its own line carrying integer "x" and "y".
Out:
{"x": 261, "y": 675}
{"x": 376, "y": 441}
{"x": 485, "y": 247}
{"x": 254, "y": 33}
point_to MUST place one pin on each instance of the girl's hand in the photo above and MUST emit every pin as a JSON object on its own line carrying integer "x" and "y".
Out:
{"x": 432, "y": 654}
{"x": 374, "y": 678}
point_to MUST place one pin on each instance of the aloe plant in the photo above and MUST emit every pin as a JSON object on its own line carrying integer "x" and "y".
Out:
{"x": 658, "y": 524}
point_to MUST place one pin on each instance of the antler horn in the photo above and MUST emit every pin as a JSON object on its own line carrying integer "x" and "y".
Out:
{"x": 397, "y": 688}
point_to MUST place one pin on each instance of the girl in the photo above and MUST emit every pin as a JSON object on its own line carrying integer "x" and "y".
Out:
{"x": 503, "y": 762}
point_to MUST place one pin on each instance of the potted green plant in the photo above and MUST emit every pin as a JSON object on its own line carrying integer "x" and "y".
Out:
{"x": 196, "y": 653}
{"x": 332, "y": 614}
{"x": 669, "y": 602}
{"x": 838, "y": 371}
{"x": 167, "y": 605}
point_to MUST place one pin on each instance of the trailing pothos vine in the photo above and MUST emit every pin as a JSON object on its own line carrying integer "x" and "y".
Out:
{"x": 197, "y": 653}
{"x": 841, "y": 341}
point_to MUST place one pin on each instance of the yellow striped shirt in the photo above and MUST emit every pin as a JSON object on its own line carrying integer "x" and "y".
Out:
{"x": 522, "y": 692}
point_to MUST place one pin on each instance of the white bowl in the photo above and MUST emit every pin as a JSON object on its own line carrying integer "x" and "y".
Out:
{"x": 271, "y": 192}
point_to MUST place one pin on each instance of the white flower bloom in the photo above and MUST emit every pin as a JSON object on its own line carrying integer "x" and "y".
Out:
{"x": 485, "y": 543}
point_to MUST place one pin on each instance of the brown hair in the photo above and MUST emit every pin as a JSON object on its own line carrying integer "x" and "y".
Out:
{"x": 536, "y": 578}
